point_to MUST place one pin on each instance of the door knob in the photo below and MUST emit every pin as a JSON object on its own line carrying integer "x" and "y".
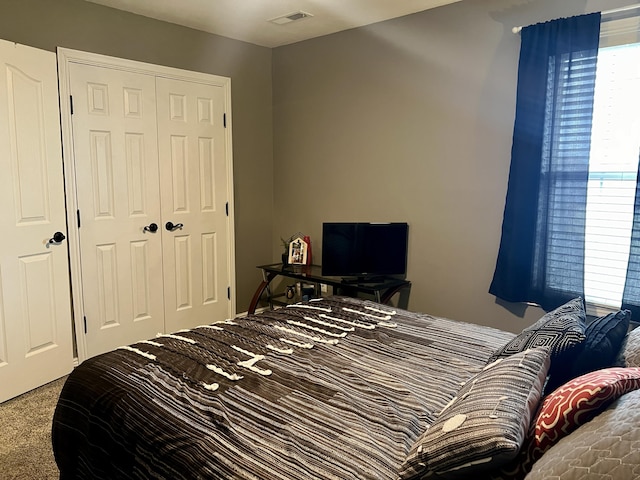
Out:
{"x": 152, "y": 227}
{"x": 173, "y": 226}
{"x": 57, "y": 237}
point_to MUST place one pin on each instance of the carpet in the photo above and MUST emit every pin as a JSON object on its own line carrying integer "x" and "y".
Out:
{"x": 25, "y": 434}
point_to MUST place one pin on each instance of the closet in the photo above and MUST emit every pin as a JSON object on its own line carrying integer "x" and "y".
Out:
{"x": 150, "y": 218}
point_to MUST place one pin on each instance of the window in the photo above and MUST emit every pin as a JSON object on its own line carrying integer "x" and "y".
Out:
{"x": 571, "y": 222}
{"x": 613, "y": 164}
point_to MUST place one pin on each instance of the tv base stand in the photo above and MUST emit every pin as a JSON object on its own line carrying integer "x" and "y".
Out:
{"x": 363, "y": 280}
{"x": 381, "y": 290}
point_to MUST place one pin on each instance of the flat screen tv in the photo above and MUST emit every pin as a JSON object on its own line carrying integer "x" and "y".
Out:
{"x": 364, "y": 251}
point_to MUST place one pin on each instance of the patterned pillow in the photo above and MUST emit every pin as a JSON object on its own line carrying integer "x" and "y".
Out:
{"x": 632, "y": 348}
{"x": 562, "y": 330}
{"x": 520, "y": 466}
{"x": 606, "y": 448}
{"x": 581, "y": 399}
{"x": 484, "y": 426}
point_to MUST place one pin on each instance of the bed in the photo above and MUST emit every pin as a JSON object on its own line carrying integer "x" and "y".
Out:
{"x": 335, "y": 388}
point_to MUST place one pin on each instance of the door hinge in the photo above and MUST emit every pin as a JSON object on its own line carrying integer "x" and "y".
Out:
{"x": 224, "y": 120}
{"x": 85, "y": 324}
{"x": 78, "y": 213}
{"x": 71, "y": 103}
{"x": 227, "y": 208}
{"x": 229, "y": 293}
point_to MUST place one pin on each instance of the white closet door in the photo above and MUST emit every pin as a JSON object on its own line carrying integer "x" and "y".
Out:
{"x": 35, "y": 304}
{"x": 116, "y": 162}
{"x": 194, "y": 193}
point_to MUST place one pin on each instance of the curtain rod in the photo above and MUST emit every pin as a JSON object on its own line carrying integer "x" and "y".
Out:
{"x": 517, "y": 30}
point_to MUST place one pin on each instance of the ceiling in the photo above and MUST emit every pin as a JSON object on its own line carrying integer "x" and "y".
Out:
{"x": 249, "y": 20}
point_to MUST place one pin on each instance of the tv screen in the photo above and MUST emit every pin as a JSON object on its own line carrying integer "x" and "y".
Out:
{"x": 364, "y": 250}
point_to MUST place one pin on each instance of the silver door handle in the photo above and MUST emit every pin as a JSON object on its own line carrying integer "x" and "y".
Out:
{"x": 57, "y": 237}
{"x": 171, "y": 226}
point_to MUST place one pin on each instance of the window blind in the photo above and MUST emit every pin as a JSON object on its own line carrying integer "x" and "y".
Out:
{"x": 613, "y": 168}
{"x": 566, "y": 141}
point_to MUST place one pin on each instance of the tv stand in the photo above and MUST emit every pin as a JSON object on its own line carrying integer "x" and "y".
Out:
{"x": 363, "y": 280}
{"x": 380, "y": 288}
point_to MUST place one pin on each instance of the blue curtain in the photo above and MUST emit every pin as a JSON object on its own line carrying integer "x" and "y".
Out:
{"x": 631, "y": 294}
{"x": 541, "y": 255}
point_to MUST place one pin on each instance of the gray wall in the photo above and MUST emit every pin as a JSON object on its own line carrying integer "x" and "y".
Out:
{"x": 82, "y": 25}
{"x": 406, "y": 120}
{"x": 411, "y": 120}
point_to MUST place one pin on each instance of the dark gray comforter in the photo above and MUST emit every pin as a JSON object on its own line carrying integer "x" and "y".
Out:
{"x": 332, "y": 389}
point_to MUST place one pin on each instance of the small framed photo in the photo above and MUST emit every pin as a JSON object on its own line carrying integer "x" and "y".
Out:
{"x": 298, "y": 249}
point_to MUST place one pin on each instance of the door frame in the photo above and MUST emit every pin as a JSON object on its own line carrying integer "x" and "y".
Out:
{"x": 67, "y": 56}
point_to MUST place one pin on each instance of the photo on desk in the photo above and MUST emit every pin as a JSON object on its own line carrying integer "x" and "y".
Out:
{"x": 298, "y": 251}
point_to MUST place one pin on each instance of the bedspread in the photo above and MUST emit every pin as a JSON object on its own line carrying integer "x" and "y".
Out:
{"x": 333, "y": 389}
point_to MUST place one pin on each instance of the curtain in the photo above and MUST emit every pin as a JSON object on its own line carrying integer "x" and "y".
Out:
{"x": 541, "y": 255}
{"x": 631, "y": 294}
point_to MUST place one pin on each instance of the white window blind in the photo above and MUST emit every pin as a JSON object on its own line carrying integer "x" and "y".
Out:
{"x": 563, "y": 159}
{"x": 613, "y": 163}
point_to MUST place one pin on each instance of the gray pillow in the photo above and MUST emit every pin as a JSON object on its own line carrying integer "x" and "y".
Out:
{"x": 631, "y": 348}
{"x": 484, "y": 426}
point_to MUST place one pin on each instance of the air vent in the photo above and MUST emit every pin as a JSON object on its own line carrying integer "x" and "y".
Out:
{"x": 291, "y": 17}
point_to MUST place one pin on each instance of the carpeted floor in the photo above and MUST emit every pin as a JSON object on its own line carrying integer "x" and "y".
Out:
{"x": 25, "y": 434}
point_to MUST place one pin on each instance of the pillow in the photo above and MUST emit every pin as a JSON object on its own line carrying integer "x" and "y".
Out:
{"x": 605, "y": 336}
{"x": 604, "y": 448}
{"x": 485, "y": 424}
{"x": 581, "y": 399}
{"x": 520, "y": 466}
{"x": 632, "y": 348}
{"x": 562, "y": 330}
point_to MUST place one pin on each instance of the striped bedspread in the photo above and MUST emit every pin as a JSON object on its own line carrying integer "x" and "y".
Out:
{"x": 332, "y": 389}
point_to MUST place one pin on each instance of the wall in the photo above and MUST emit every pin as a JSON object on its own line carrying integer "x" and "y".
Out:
{"x": 405, "y": 120}
{"x": 411, "y": 120}
{"x": 90, "y": 27}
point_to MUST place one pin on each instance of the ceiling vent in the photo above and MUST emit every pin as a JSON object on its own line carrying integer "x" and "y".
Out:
{"x": 291, "y": 17}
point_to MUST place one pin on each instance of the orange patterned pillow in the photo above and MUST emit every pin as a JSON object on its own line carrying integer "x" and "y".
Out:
{"x": 579, "y": 400}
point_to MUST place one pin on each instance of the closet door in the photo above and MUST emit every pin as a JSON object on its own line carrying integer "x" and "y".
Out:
{"x": 193, "y": 180}
{"x": 147, "y": 146}
{"x": 35, "y": 304}
{"x": 118, "y": 195}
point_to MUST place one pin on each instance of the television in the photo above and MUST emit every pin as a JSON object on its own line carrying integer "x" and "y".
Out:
{"x": 364, "y": 251}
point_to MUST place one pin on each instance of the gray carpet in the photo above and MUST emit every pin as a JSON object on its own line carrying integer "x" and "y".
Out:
{"x": 25, "y": 434}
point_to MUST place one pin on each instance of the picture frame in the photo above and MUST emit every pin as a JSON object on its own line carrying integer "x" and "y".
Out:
{"x": 298, "y": 250}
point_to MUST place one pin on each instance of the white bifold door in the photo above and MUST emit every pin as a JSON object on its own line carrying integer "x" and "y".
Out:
{"x": 152, "y": 179}
{"x": 194, "y": 199}
{"x": 36, "y": 343}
